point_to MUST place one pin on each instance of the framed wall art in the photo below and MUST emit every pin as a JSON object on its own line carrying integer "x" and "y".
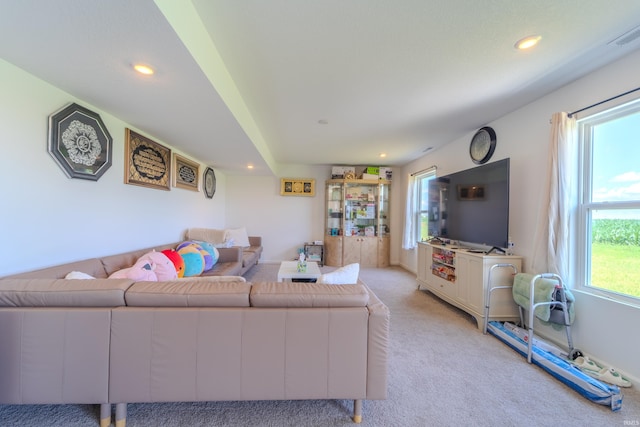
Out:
{"x": 80, "y": 142}
{"x": 297, "y": 187}
{"x": 186, "y": 173}
{"x": 146, "y": 162}
{"x": 209, "y": 182}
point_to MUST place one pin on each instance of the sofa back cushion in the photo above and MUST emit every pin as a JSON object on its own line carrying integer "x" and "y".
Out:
{"x": 211, "y": 235}
{"x": 92, "y": 267}
{"x": 297, "y": 294}
{"x": 63, "y": 293}
{"x": 213, "y": 291}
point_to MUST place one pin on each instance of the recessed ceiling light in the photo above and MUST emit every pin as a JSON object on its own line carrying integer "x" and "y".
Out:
{"x": 527, "y": 42}
{"x": 383, "y": 154}
{"x": 249, "y": 166}
{"x": 143, "y": 69}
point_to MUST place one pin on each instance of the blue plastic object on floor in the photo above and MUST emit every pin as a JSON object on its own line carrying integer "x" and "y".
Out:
{"x": 594, "y": 390}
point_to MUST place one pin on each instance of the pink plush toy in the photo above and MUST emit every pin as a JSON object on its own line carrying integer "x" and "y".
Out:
{"x": 164, "y": 268}
{"x": 141, "y": 271}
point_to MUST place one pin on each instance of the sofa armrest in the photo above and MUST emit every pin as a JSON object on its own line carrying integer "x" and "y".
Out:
{"x": 255, "y": 240}
{"x": 378, "y": 348}
{"x": 233, "y": 254}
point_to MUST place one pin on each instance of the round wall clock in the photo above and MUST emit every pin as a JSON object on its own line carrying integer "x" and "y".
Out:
{"x": 482, "y": 146}
{"x": 209, "y": 183}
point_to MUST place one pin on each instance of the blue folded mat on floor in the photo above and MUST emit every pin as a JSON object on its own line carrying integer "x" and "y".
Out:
{"x": 594, "y": 390}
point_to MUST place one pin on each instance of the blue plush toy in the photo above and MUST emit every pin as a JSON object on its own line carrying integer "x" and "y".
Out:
{"x": 210, "y": 254}
{"x": 215, "y": 255}
{"x": 193, "y": 260}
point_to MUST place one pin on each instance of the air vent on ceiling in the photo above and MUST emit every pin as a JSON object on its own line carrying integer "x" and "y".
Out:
{"x": 627, "y": 37}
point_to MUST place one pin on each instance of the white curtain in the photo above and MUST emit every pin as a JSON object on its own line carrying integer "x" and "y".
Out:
{"x": 409, "y": 232}
{"x": 552, "y": 240}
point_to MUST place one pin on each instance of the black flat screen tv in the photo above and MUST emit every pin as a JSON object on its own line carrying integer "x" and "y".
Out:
{"x": 472, "y": 206}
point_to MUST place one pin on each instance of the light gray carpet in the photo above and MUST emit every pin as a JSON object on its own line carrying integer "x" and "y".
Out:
{"x": 443, "y": 372}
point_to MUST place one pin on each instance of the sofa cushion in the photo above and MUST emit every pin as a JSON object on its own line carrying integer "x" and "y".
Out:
{"x": 63, "y": 293}
{"x": 215, "y": 291}
{"x": 224, "y": 269}
{"x": 296, "y": 294}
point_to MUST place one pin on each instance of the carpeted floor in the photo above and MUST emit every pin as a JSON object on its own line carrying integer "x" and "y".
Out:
{"x": 443, "y": 372}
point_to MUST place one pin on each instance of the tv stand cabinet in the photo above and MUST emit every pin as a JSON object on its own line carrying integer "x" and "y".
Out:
{"x": 461, "y": 278}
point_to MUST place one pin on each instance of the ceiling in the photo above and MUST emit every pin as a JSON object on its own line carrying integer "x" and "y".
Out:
{"x": 334, "y": 82}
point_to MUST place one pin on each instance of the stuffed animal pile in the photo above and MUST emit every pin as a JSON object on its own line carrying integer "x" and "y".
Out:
{"x": 190, "y": 258}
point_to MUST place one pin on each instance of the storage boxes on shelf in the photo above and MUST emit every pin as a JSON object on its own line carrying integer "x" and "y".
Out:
{"x": 443, "y": 264}
{"x": 341, "y": 172}
{"x": 385, "y": 173}
{"x": 441, "y": 270}
{"x": 445, "y": 257}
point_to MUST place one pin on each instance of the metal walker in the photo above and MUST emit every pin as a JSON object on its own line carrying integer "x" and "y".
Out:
{"x": 561, "y": 303}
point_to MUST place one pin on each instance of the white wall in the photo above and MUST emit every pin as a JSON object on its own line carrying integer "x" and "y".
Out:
{"x": 284, "y": 222}
{"x": 48, "y": 219}
{"x": 603, "y": 328}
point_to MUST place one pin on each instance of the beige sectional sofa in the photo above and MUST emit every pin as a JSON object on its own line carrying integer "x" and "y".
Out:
{"x": 115, "y": 341}
{"x": 249, "y": 252}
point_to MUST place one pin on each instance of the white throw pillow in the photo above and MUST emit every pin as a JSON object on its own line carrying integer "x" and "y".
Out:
{"x": 238, "y": 235}
{"x": 347, "y": 275}
{"x": 78, "y": 275}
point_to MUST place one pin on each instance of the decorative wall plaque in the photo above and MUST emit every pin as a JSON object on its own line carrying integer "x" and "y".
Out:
{"x": 147, "y": 163}
{"x": 186, "y": 173}
{"x": 209, "y": 183}
{"x": 297, "y": 187}
{"x": 80, "y": 142}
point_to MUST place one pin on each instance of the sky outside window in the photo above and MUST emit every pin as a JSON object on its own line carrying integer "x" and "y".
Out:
{"x": 616, "y": 164}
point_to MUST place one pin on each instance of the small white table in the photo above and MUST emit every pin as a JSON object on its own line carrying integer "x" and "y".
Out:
{"x": 289, "y": 270}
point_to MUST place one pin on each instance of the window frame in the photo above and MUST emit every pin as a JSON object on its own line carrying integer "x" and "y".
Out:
{"x": 419, "y": 179}
{"x": 586, "y": 206}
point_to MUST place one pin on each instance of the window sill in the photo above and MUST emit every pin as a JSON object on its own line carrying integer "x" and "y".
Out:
{"x": 609, "y": 296}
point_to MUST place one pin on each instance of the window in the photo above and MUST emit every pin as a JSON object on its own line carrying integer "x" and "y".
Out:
{"x": 609, "y": 206}
{"x": 423, "y": 208}
{"x": 417, "y": 208}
